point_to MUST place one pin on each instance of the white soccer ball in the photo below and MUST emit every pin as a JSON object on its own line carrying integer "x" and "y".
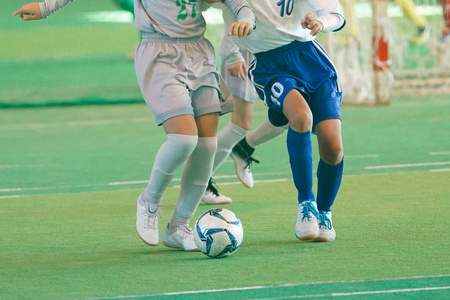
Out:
{"x": 218, "y": 232}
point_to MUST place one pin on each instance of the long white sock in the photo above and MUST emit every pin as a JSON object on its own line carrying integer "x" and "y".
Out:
{"x": 171, "y": 155}
{"x": 227, "y": 138}
{"x": 194, "y": 180}
{"x": 264, "y": 133}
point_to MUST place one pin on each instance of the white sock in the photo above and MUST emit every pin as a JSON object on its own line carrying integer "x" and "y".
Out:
{"x": 194, "y": 180}
{"x": 227, "y": 138}
{"x": 264, "y": 133}
{"x": 171, "y": 155}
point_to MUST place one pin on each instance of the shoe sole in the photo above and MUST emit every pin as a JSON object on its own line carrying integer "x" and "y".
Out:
{"x": 237, "y": 173}
{"x": 308, "y": 237}
{"x": 223, "y": 202}
{"x": 150, "y": 244}
{"x": 176, "y": 247}
{"x": 322, "y": 239}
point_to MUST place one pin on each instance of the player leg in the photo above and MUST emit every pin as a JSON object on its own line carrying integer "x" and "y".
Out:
{"x": 297, "y": 111}
{"x": 243, "y": 118}
{"x": 329, "y": 174}
{"x": 181, "y": 142}
{"x": 326, "y": 107}
{"x": 422, "y": 24}
{"x": 174, "y": 106}
{"x": 227, "y": 138}
{"x": 244, "y": 95}
{"x": 243, "y": 151}
{"x": 196, "y": 173}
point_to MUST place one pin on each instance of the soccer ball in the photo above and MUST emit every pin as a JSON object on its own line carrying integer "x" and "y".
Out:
{"x": 218, "y": 232}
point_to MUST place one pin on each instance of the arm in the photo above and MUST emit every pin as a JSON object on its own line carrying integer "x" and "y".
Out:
{"x": 233, "y": 60}
{"x": 244, "y": 15}
{"x": 37, "y": 11}
{"x": 328, "y": 17}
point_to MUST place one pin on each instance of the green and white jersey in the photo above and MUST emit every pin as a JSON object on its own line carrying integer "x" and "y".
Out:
{"x": 182, "y": 18}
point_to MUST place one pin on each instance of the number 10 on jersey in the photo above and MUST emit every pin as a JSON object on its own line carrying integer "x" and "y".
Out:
{"x": 286, "y": 7}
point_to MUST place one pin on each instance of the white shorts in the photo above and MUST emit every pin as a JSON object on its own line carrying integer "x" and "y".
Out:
{"x": 178, "y": 77}
{"x": 243, "y": 89}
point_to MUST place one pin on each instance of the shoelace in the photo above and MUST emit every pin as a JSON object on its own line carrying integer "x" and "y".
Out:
{"x": 308, "y": 207}
{"x": 212, "y": 188}
{"x": 185, "y": 231}
{"x": 249, "y": 161}
{"x": 324, "y": 222}
{"x": 245, "y": 152}
{"x": 152, "y": 222}
{"x": 152, "y": 218}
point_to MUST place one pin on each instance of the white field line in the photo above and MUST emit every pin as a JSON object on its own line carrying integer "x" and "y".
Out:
{"x": 284, "y": 285}
{"x": 440, "y": 170}
{"x": 9, "y": 197}
{"x": 361, "y": 293}
{"x": 141, "y": 182}
{"x": 21, "y": 166}
{"x": 408, "y": 165}
{"x": 115, "y": 184}
{"x": 440, "y": 153}
{"x": 363, "y": 156}
{"x": 73, "y": 124}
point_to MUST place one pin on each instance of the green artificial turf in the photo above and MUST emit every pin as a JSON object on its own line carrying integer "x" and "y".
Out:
{"x": 84, "y": 245}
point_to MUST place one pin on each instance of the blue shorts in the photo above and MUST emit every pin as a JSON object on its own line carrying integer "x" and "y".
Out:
{"x": 304, "y": 66}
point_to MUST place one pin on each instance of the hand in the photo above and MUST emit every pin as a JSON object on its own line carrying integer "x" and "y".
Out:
{"x": 238, "y": 69}
{"x": 29, "y": 12}
{"x": 240, "y": 29}
{"x": 313, "y": 24}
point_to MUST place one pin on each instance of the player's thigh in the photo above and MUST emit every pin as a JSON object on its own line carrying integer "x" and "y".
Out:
{"x": 205, "y": 100}
{"x": 325, "y": 102}
{"x": 165, "y": 95}
{"x": 184, "y": 124}
{"x": 207, "y": 124}
{"x": 297, "y": 111}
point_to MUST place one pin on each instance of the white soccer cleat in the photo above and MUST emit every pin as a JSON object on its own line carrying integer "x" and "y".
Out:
{"x": 243, "y": 171}
{"x": 147, "y": 220}
{"x": 181, "y": 237}
{"x": 242, "y": 157}
{"x": 327, "y": 232}
{"x": 212, "y": 195}
{"x": 307, "y": 227}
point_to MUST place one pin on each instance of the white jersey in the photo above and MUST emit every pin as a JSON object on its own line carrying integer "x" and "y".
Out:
{"x": 168, "y": 18}
{"x": 278, "y": 22}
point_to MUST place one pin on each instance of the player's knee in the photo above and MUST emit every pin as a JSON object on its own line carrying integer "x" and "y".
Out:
{"x": 207, "y": 146}
{"x": 332, "y": 154}
{"x": 183, "y": 143}
{"x": 301, "y": 121}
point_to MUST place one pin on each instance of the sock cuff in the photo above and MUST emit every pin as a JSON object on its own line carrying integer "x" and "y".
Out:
{"x": 207, "y": 143}
{"x": 327, "y": 166}
{"x": 236, "y": 129}
{"x": 300, "y": 139}
{"x": 184, "y": 139}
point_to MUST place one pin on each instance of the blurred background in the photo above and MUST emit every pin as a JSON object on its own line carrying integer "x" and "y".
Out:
{"x": 84, "y": 54}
